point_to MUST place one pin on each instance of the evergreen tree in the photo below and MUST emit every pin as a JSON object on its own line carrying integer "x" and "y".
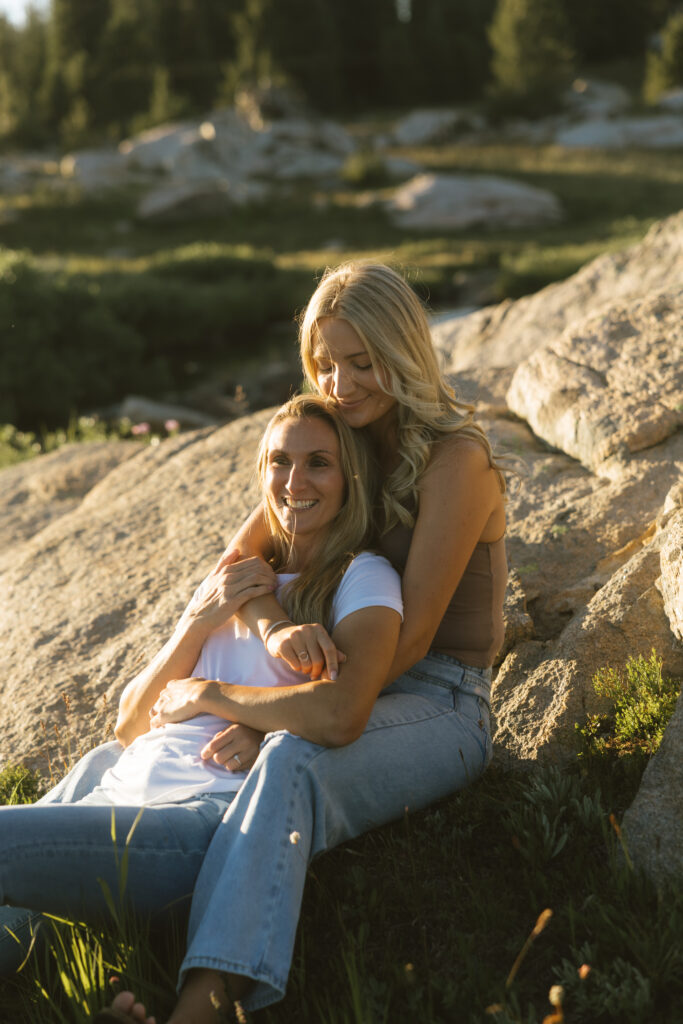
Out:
{"x": 452, "y": 48}
{"x": 614, "y": 28}
{"x": 125, "y": 61}
{"x": 296, "y": 44}
{"x": 664, "y": 68}
{"x": 532, "y": 57}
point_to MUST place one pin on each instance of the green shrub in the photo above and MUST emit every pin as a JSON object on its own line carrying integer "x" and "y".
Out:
{"x": 77, "y": 342}
{"x": 19, "y": 785}
{"x": 642, "y": 701}
{"x": 62, "y": 348}
{"x": 664, "y": 69}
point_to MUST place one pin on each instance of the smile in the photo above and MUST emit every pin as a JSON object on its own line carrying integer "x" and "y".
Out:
{"x": 350, "y": 405}
{"x": 298, "y": 505}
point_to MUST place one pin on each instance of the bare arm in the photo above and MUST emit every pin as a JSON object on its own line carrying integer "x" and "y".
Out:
{"x": 460, "y": 505}
{"x": 286, "y": 640}
{"x": 228, "y": 585}
{"x": 325, "y": 711}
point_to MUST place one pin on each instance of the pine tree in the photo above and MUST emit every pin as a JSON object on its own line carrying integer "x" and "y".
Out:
{"x": 664, "y": 69}
{"x": 532, "y": 57}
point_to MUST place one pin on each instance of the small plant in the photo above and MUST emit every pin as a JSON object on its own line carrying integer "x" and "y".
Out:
{"x": 643, "y": 701}
{"x": 19, "y": 785}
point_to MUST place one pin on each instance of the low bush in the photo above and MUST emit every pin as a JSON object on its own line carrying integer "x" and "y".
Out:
{"x": 19, "y": 785}
{"x": 79, "y": 341}
{"x": 642, "y": 703}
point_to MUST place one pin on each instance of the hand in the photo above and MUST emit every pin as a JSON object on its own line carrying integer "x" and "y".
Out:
{"x": 228, "y": 586}
{"x": 237, "y": 740}
{"x": 179, "y": 700}
{"x": 306, "y": 648}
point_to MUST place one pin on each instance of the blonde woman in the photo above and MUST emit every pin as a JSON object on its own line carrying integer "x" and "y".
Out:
{"x": 315, "y": 485}
{"x": 365, "y": 345}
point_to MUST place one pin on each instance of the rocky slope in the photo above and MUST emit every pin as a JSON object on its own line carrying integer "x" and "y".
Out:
{"x": 582, "y": 383}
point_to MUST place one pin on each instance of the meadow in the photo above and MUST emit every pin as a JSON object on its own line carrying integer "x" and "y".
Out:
{"x": 105, "y": 305}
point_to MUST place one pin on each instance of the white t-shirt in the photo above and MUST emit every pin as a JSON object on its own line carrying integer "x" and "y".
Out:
{"x": 163, "y": 765}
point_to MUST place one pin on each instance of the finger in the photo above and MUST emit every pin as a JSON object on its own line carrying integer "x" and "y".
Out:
{"x": 222, "y": 741}
{"x": 312, "y": 660}
{"x": 330, "y": 655}
{"x": 229, "y": 557}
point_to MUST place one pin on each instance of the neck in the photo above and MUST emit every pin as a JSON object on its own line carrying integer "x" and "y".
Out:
{"x": 384, "y": 434}
{"x": 300, "y": 553}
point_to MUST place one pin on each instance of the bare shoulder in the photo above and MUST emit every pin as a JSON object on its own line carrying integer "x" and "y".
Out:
{"x": 459, "y": 454}
{"x": 460, "y": 483}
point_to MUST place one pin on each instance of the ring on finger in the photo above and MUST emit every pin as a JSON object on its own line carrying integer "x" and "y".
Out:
{"x": 304, "y": 656}
{"x": 236, "y": 757}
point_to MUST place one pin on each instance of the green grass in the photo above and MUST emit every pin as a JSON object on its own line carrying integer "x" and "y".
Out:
{"x": 441, "y": 917}
{"x": 128, "y": 305}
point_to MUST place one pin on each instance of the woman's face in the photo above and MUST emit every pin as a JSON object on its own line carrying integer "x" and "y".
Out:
{"x": 344, "y": 372}
{"x": 304, "y": 482}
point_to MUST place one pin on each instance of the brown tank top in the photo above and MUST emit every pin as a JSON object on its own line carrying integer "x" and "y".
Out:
{"x": 472, "y": 630}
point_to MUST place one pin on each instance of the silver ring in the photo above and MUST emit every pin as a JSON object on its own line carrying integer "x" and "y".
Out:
{"x": 304, "y": 656}
{"x": 236, "y": 757}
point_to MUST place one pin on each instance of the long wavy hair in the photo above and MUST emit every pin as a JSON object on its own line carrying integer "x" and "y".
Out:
{"x": 308, "y": 598}
{"x": 392, "y": 324}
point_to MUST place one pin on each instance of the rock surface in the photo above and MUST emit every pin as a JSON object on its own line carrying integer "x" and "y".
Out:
{"x": 506, "y": 334}
{"x": 460, "y": 201}
{"x": 662, "y": 132}
{"x": 612, "y": 385}
{"x": 92, "y": 595}
{"x": 653, "y": 824}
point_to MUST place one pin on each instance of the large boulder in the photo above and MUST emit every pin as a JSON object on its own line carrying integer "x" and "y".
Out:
{"x": 506, "y": 334}
{"x": 93, "y": 594}
{"x": 653, "y": 824}
{"x": 583, "y": 383}
{"x": 589, "y": 97}
{"x": 461, "y": 201}
{"x": 426, "y": 127}
{"x": 609, "y": 386}
{"x": 35, "y": 493}
{"x": 664, "y": 131}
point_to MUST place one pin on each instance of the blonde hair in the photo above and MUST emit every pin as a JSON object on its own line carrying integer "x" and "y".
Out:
{"x": 308, "y": 598}
{"x": 391, "y": 322}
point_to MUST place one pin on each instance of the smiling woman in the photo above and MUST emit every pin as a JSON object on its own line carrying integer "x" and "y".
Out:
{"x": 315, "y": 481}
{"x": 304, "y": 481}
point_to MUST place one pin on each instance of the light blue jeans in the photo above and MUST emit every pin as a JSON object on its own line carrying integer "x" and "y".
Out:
{"x": 245, "y": 862}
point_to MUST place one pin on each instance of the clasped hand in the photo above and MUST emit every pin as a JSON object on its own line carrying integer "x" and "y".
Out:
{"x": 236, "y": 747}
{"x": 228, "y": 586}
{"x": 307, "y": 648}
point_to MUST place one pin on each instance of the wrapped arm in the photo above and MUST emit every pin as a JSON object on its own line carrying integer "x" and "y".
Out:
{"x": 325, "y": 711}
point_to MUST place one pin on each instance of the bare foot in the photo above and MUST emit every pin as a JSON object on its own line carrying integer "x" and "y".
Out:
{"x": 204, "y": 998}
{"x": 124, "y": 1008}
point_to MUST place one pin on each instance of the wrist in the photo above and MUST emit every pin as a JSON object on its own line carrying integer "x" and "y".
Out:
{"x": 274, "y": 627}
{"x": 214, "y": 698}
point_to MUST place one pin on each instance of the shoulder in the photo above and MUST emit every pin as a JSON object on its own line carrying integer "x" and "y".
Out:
{"x": 458, "y": 450}
{"x": 460, "y": 485}
{"x": 369, "y": 581}
{"x": 369, "y": 566}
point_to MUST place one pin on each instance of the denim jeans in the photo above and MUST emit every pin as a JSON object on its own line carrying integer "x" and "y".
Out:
{"x": 428, "y": 735}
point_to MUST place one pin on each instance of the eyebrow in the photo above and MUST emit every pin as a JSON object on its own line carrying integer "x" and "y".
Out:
{"x": 317, "y": 354}
{"x": 316, "y": 451}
